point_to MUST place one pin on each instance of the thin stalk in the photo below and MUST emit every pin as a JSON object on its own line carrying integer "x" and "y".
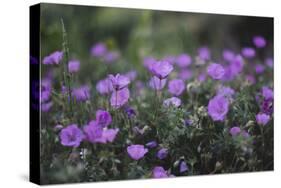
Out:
{"x": 66, "y": 74}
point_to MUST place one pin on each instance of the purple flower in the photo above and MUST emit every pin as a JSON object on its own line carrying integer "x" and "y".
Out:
{"x": 259, "y": 68}
{"x": 131, "y": 75}
{"x": 71, "y": 136}
{"x": 103, "y": 118}
{"x": 161, "y": 69}
{"x": 130, "y": 112}
{"x": 104, "y": 86}
{"x": 216, "y": 71}
{"x": 185, "y": 74}
{"x": 176, "y": 87}
{"x": 156, "y": 83}
{"x": 136, "y": 152}
{"x": 225, "y": 91}
{"x": 159, "y": 172}
{"x": 162, "y": 153}
{"x": 93, "y": 131}
{"x": 234, "y": 131}
{"x": 262, "y": 119}
{"x": 234, "y": 68}
{"x": 82, "y": 93}
{"x": 201, "y": 77}
{"x": 173, "y": 101}
{"x": 251, "y": 79}
{"x": 267, "y": 93}
{"x": 151, "y": 144}
{"x": 46, "y": 88}
{"x": 183, "y": 167}
{"x": 269, "y": 62}
{"x": 110, "y": 57}
{"x": 248, "y": 52}
{"x": 183, "y": 60}
{"x": 107, "y": 136}
{"x": 204, "y": 53}
{"x": 98, "y": 50}
{"x": 53, "y": 58}
{"x": 259, "y": 41}
{"x": 267, "y": 106}
{"x": 46, "y": 106}
{"x": 228, "y": 55}
{"x": 245, "y": 134}
{"x": 119, "y": 81}
{"x": 119, "y": 98}
{"x": 73, "y": 66}
{"x": 148, "y": 62}
{"x": 218, "y": 108}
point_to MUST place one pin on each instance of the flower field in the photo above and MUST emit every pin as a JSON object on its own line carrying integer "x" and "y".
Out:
{"x": 130, "y": 106}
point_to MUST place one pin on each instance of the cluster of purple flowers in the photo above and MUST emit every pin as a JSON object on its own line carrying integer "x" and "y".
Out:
{"x": 100, "y": 51}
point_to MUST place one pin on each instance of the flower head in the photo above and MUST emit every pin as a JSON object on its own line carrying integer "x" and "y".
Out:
{"x": 107, "y": 136}
{"x": 248, "y": 52}
{"x": 162, "y": 153}
{"x": 136, "y": 152}
{"x": 228, "y": 55}
{"x": 267, "y": 93}
{"x": 71, "y": 136}
{"x": 218, "y": 108}
{"x": 119, "y": 81}
{"x": 45, "y": 89}
{"x": 104, "y": 86}
{"x": 183, "y": 60}
{"x": 93, "y": 131}
{"x": 73, "y": 66}
{"x": 111, "y": 57}
{"x": 173, "y": 101}
{"x": 183, "y": 167}
{"x": 82, "y": 93}
{"x": 262, "y": 119}
{"x": 98, "y": 50}
{"x": 161, "y": 69}
{"x": 176, "y": 87}
{"x": 53, "y": 58}
{"x": 269, "y": 62}
{"x": 156, "y": 83}
{"x": 234, "y": 131}
{"x": 259, "y": 68}
{"x": 103, "y": 118}
{"x": 159, "y": 172}
{"x": 185, "y": 74}
{"x": 259, "y": 41}
{"x": 225, "y": 91}
{"x": 119, "y": 98}
{"x": 216, "y": 71}
{"x": 204, "y": 53}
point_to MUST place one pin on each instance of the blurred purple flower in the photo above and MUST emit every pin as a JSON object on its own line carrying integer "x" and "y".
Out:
{"x": 176, "y": 87}
{"x": 111, "y": 57}
{"x": 173, "y": 101}
{"x": 228, "y": 55}
{"x": 120, "y": 97}
{"x": 132, "y": 75}
{"x": 218, "y": 108}
{"x": 183, "y": 60}
{"x": 151, "y": 144}
{"x": 225, "y": 91}
{"x": 245, "y": 134}
{"x": 269, "y": 62}
{"x": 259, "y": 68}
{"x": 159, "y": 172}
{"x": 234, "y": 131}
{"x": 98, "y": 50}
{"x": 103, "y": 118}
{"x": 262, "y": 119}
{"x": 185, "y": 74}
{"x": 81, "y": 93}
{"x": 267, "y": 93}
{"x": 162, "y": 153}
{"x": 104, "y": 86}
{"x": 234, "y": 68}
{"x": 148, "y": 62}
{"x": 259, "y": 41}
{"x": 204, "y": 53}
{"x": 156, "y": 83}
{"x": 183, "y": 167}
{"x": 46, "y": 106}
{"x": 251, "y": 79}
{"x": 171, "y": 59}
{"x": 136, "y": 152}
{"x": 161, "y": 69}
{"x": 53, "y": 58}
{"x": 248, "y": 52}
{"x": 93, "y": 131}
{"x": 267, "y": 106}
{"x": 73, "y": 66}
{"x": 130, "y": 112}
{"x": 46, "y": 89}
{"x": 71, "y": 136}
{"x": 216, "y": 71}
{"x": 201, "y": 77}
{"x": 119, "y": 81}
{"x": 107, "y": 136}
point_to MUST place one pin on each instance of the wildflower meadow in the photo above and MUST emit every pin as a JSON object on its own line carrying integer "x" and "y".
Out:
{"x": 136, "y": 94}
